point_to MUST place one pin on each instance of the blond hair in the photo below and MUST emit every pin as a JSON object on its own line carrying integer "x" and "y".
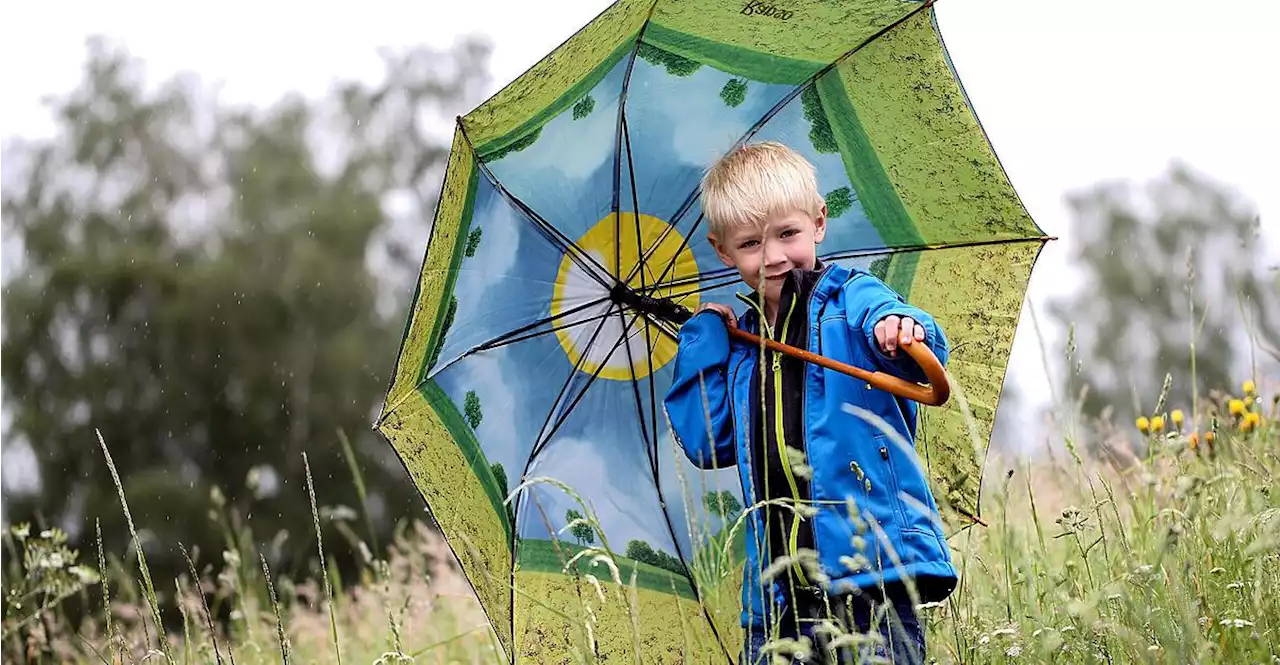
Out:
{"x": 754, "y": 181}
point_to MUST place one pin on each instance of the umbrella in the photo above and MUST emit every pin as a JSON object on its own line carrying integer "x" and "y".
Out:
{"x": 569, "y": 237}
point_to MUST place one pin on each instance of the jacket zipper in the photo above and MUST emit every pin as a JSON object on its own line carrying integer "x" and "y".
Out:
{"x": 780, "y": 433}
{"x": 815, "y": 332}
{"x": 780, "y": 430}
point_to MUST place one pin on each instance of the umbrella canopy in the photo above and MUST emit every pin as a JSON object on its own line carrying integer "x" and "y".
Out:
{"x": 571, "y": 194}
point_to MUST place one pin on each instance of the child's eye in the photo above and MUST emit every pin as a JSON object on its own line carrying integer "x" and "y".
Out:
{"x": 789, "y": 232}
{"x": 749, "y": 243}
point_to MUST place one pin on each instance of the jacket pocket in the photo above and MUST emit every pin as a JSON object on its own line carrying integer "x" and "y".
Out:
{"x": 882, "y": 443}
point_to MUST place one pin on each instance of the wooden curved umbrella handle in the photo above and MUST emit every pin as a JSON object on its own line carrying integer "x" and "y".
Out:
{"x": 936, "y": 393}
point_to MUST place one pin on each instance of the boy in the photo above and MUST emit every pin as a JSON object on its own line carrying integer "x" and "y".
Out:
{"x": 782, "y": 422}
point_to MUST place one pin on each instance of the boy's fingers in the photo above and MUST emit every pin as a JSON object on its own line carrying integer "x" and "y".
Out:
{"x": 727, "y": 315}
{"x": 907, "y": 331}
{"x": 890, "y": 341}
{"x": 722, "y": 311}
{"x": 919, "y": 332}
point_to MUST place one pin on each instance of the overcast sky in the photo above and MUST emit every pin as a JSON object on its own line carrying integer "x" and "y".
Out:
{"x": 1070, "y": 93}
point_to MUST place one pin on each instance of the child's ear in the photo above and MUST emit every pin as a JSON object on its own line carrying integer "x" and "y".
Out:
{"x": 720, "y": 250}
{"x": 820, "y": 224}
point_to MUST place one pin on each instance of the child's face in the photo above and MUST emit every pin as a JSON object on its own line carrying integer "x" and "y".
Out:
{"x": 785, "y": 241}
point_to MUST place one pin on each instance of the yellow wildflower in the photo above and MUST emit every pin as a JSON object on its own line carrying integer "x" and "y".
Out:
{"x": 1236, "y": 407}
{"x": 1208, "y": 438}
{"x": 1250, "y": 422}
{"x": 1176, "y": 416}
{"x": 1249, "y": 388}
{"x": 1157, "y": 424}
{"x": 1143, "y": 424}
{"x": 1193, "y": 440}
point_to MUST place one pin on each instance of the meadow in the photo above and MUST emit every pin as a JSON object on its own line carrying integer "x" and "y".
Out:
{"x": 1093, "y": 554}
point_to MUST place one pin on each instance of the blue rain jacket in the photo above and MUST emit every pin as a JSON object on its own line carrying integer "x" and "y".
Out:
{"x": 855, "y": 465}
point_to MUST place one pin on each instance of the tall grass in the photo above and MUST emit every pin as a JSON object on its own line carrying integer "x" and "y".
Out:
{"x": 410, "y": 605}
{"x": 1168, "y": 556}
{"x": 1172, "y": 558}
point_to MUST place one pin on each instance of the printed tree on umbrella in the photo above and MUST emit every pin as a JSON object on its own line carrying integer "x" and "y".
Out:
{"x": 722, "y": 504}
{"x": 471, "y": 409}
{"x": 473, "y": 241}
{"x": 734, "y": 92}
{"x": 581, "y": 530}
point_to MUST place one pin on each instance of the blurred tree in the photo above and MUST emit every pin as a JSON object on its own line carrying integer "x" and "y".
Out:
{"x": 217, "y": 290}
{"x": 1146, "y": 259}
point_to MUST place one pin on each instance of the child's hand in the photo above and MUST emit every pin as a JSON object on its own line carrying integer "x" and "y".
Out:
{"x": 730, "y": 319}
{"x": 892, "y": 331}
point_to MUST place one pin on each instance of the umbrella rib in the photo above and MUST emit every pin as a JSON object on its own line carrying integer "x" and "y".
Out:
{"x": 617, "y": 158}
{"x": 644, "y": 256}
{"x": 502, "y": 340}
{"x": 561, "y": 241}
{"x": 549, "y": 232}
{"x": 544, "y": 441}
{"x": 617, "y": 177}
{"x": 635, "y": 207}
{"x": 721, "y": 281}
{"x": 781, "y": 104}
{"x": 540, "y": 333}
{"x": 684, "y": 242}
{"x": 577, "y": 367}
{"x": 644, "y": 287}
{"x": 635, "y": 389}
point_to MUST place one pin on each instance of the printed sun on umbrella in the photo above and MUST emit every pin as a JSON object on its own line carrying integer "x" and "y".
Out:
{"x": 572, "y": 193}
